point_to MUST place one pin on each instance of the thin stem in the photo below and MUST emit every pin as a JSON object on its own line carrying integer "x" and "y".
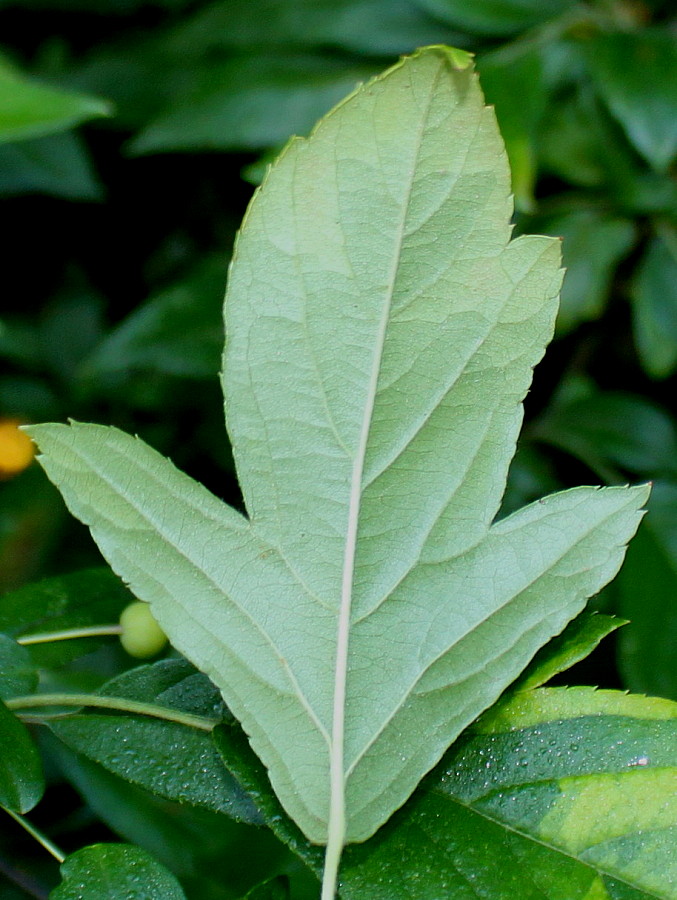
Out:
{"x": 332, "y": 859}
{"x": 39, "y": 837}
{"x": 119, "y": 703}
{"x": 69, "y": 634}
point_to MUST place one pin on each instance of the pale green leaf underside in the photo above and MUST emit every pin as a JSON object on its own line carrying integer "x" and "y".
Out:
{"x": 381, "y": 336}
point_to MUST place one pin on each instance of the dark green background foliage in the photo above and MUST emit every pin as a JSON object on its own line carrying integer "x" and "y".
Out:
{"x": 131, "y": 134}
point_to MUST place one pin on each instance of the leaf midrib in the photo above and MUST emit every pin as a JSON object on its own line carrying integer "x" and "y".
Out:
{"x": 337, "y": 775}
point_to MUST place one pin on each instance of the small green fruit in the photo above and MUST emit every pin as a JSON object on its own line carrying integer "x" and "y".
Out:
{"x": 141, "y": 635}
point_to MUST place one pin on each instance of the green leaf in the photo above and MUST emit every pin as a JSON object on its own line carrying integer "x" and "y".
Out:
{"x": 654, "y": 298}
{"x": 573, "y": 798}
{"x": 380, "y": 27}
{"x": 513, "y": 80}
{"x": 131, "y": 812}
{"x": 580, "y": 142}
{"x": 612, "y": 430}
{"x": 647, "y": 591}
{"x": 29, "y": 109}
{"x": 598, "y": 815}
{"x": 274, "y": 889}
{"x": 593, "y": 245}
{"x": 137, "y": 75}
{"x": 19, "y": 341}
{"x": 81, "y": 599}
{"x": 22, "y": 783}
{"x": 56, "y": 164}
{"x": 177, "y": 332}
{"x": 174, "y": 761}
{"x": 96, "y": 7}
{"x": 115, "y": 872}
{"x": 236, "y": 752}
{"x": 18, "y": 675}
{"x": 70, "y": 327}
{"x": 636, "y": 72}
{"x": 495, "y": 17}
{"x": 577, "y": 641}
{"x": 250, "y": 102}
{"x": 28, "y": 398}
{"x": 194, "y": 843}
{"x": 569, "y": 144}
{"x": 381, "y": 336}
{"x": 531, "y": 475}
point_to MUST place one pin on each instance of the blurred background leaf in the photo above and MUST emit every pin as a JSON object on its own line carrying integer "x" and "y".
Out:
{"x": 647, "y": 592}
{"x": 131, "y": 133}
{"x": 250, "y": 102}
{"x": 593, "y": 244}
{"x": 496, "y": 18}
{"x": 636, "y": 73}
{"x": 57, "y": 165}
{"x": 654, "y": 296}
{"x": 29, "y": 109}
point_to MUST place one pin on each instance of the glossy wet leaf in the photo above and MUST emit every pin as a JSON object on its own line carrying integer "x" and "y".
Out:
{"x": 115, "y": 872}
{"x": 21, "y": 780}
{"x": 30, "y": 109}
{"x": 132, "y": 813}
{"x": 18, "y": 674}
{"x": 172, "y": 760}
{"x": 556, "y": 794}
{"x": 382, "y": 332}
{"x": 201, "y": 846}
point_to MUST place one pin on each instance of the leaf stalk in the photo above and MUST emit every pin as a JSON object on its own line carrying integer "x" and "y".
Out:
{"x": 68, "y": 634}
{"x": 58, "y": 855}
{"x": 116, "y": 703}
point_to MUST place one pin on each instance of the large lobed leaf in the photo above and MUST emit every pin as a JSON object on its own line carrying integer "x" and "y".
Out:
{"x": 382, "y": 332}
